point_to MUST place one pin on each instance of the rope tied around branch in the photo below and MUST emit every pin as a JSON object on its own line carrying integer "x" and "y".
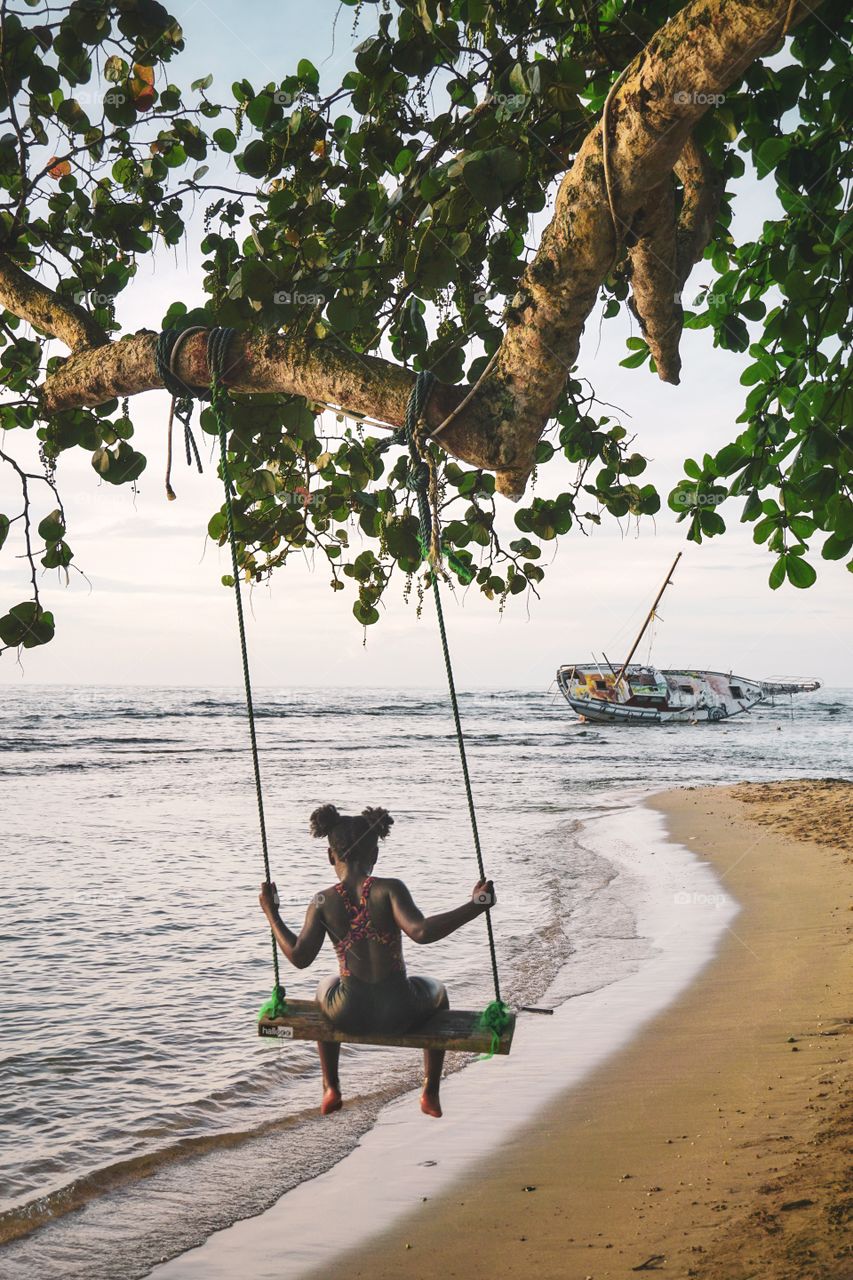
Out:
{"x": 422, "y": 480}
{"x": 169, "y": 342}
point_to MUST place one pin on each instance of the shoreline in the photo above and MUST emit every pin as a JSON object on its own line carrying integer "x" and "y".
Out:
{"x": 711, "y": 1144}
{"x": 717, "y": 1142}
{"x": 662, "y": 947}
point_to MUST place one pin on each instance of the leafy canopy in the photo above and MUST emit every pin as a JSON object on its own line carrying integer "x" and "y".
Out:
{"x": 394, "y": 213}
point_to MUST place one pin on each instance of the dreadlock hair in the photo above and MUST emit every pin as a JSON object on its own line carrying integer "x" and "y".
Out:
{"x": 351, "y": 839}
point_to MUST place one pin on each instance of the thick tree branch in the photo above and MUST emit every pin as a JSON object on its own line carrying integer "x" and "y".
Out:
{"x": 665, "y": 252}
{"x": 46, "y": 311}
{"x": 324, "y": 372}
{"x": 700, "y": 53}
{"x": 703, "y": 191}
{"x": 655, "y": 300}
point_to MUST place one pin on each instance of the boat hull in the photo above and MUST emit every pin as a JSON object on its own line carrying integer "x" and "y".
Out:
{"x": 613, "y": 713}
{"x": 646, "y": 695}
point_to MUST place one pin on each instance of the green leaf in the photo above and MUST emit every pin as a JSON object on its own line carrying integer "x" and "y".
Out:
{"x": 517, "y": 81}
{"x": 777, "y": 574}
{"x": 634, "y": 465}
{"x": 729, "y": 459}
{"x": 635, "y": 360}
{"x": 803, "y": 527}
{"x": 256, "y": 159}
{"x": 490, "y": 176}
{"x": 835, "y": 547}
{"x": 4, "y": 529}
{"x": 260, "y": 109}
{"x": 120, "y": 465}
{"x": 403, "y": 160}
{"x": 27, "y": 624}
{"x": 224, "y": 139}
{"x": 764, "y": 528}
{"x": 770, "y": 153}
{"x": 51, "y": 528}
{"x": 59, "y": 556}
{"x": 711, "y": 521}
{"x": 308, "y": 72}
{"x": 800, "y": 573}
{"x": 365, "y": 613}
{"x": 342, "y": 313}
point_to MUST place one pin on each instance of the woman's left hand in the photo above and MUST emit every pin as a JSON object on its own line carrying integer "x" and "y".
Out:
{"x": 268, "y": 898}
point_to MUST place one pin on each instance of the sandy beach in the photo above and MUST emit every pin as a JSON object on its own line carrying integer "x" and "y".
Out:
{"x": 717, "y": 1144}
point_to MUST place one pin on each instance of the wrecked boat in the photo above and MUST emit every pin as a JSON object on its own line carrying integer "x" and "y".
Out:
{"x": 634, "y": 693}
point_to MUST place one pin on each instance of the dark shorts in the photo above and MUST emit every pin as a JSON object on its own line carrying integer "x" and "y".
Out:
{"x": 398, "y": 1003}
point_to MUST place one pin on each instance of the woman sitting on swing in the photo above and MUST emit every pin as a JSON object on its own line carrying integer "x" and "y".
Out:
{"x": 365, "y": 916}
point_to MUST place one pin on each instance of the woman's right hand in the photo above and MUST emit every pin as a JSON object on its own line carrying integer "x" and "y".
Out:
{"x": 268, "y": 898}
{"x": 483, "y": 894}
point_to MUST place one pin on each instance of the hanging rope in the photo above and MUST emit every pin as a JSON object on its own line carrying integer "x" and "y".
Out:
{"x": 495, "y": 1017}
{"x": 183, "y": 397}
{"x": 217, "y": 348}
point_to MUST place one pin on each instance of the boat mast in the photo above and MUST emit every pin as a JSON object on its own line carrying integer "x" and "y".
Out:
{"x": 649, "y": 617}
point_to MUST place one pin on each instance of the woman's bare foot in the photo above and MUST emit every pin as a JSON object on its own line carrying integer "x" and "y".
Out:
{"x": 332, "y": 1101}
{"x": 430, "y": 1104}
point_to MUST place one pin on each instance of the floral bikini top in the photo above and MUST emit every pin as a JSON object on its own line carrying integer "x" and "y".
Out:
{"x": 362, "y": 929}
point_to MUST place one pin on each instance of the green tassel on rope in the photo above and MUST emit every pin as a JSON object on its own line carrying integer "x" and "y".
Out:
{"x": 276, "y": 1006}
{"x": 462, "y": 570}
{"x": 495, "y": 1018}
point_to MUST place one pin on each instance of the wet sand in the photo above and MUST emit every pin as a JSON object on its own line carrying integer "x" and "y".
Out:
{"x": 718, "y": 1143}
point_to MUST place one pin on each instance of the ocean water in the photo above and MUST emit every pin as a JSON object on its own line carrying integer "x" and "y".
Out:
{"x": 139, "y": 1111}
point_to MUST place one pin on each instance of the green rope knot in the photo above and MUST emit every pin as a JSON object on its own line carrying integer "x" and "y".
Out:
{"x": 496, "y": 1019}
{"x": 276, "y": 1006}
{"x": 417, "y": 477}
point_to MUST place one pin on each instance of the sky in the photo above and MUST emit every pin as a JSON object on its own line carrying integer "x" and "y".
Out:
{"x": 152, "y": 610}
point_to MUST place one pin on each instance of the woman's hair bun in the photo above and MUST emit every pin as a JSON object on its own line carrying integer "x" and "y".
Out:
{"x": 324, "y": 820}
{"x": 380, "y": 821}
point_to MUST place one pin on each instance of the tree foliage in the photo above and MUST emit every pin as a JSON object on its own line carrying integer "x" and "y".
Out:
{"x": 394, "y": 213}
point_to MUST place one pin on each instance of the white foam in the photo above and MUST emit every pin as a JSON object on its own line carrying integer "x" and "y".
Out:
{"x": 680, "y": 912}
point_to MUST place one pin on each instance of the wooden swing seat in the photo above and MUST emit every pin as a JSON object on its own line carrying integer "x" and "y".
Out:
{"x": 456, "y": 1029}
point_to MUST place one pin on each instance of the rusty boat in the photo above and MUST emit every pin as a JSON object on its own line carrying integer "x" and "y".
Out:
{"x": 634, "y": 693}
